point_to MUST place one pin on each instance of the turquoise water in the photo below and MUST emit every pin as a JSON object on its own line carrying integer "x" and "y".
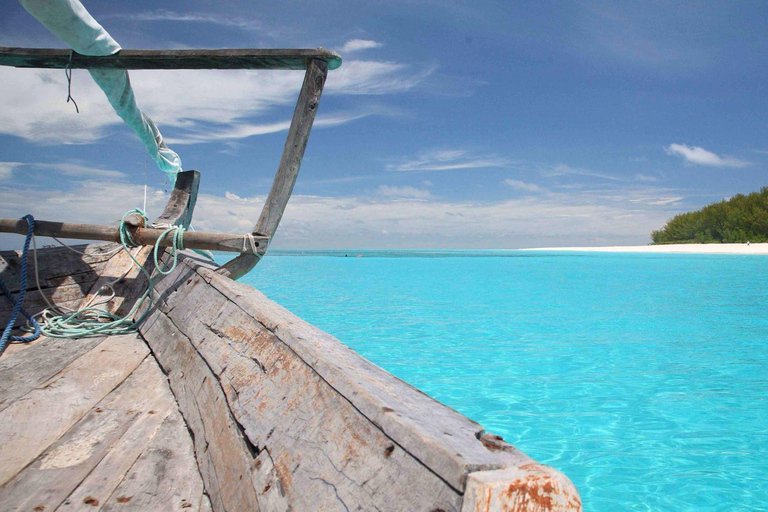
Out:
{"x": 644, "y": 378}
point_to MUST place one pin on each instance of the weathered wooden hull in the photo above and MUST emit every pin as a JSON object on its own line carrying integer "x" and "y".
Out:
{"x": 244, "y": 407}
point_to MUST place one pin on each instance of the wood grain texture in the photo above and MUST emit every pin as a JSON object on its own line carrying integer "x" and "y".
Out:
{"x": 288, "y": 170}
{"x": 336, "y": 427}
{"x": 528, "y": 488}
{"x": 142, "y": 400}
{"x": 446, "y": 441}
{"x": 325, "y": 454}
{"x": 65, "y": 295}
{"x": 165, "y": 477}
{"x": 223, "y": 456}
{"x": 33, "y": 422}
{"x": 45, "y": 358}
{"x": 178, "y": 211}
{"x": 169, "y": 59}
{"x": 57, "y": 266}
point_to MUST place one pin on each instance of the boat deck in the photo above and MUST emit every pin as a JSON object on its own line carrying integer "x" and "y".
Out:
{"x": 225, "y": 401}
{"x": 91, "y": 424}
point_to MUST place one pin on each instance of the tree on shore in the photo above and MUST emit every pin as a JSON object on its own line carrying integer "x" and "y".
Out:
{"x": 740, "y": 219}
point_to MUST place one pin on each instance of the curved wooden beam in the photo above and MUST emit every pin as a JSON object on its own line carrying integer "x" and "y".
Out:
{"x": 288, "y": 171}
{"x": 181, "y": 204}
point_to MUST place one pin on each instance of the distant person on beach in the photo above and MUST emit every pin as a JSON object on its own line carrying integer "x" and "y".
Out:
{"x": 747, "y": 242}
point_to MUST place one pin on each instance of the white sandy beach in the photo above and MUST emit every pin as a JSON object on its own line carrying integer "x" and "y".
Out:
{"x": 670, "y": 249}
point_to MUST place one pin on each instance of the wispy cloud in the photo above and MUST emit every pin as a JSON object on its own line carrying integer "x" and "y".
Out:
{"x": 6, "y": 169}
{"x": 657, "y": 201}
{"x": 189, "y": 17}
{"x": 405, "y": 192}
{"x": 562, "y": 169}
{"x": 700, "y": 156}
{"x": 648, "y": 178}
{"x": 356, "y": 45}
{"x": 376, "y": 77}
{"x": 449, "y": 160}
{"x": 72, "y": 169}
{"x": 626, "y": 32}
{"x": 525, "y": 187}
{"x": 407, "y": 217}
{"x": 80, "y": 171}
{"x": 196, "y": 106}
{"x": 245, "y": 130}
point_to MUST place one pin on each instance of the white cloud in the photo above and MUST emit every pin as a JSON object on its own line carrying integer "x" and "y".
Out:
{"x": 374, "y": 77}
{"x": 449, "y": 160}
{"x": 625, "y": 216}
{"x": 194, "y": 17}
{"x": 403, "y": 192}
{"x": 700, "y": 156}
{"x": 6, "y": 169}
{"x": 647, "y": 178}
{"x": 80, "y": 171}
{"x": 526, "y": 187}
{"x": 242, "y": 131}
{"x": 356, "y": 45}
{"x": 68, "y": 169}
{"x": 561, "y": 169}
{"x": 200, "y": 105}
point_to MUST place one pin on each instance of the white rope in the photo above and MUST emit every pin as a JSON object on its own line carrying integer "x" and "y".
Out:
{"x": 249, "y": 238}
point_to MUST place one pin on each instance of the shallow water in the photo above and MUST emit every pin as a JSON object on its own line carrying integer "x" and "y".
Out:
{"x": 644, "y": 378}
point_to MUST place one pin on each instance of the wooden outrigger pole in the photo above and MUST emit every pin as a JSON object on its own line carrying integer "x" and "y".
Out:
{"x": 316, "y": 64}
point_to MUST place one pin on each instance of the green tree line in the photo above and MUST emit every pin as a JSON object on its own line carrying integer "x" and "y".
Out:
{"x": 737, "y": 220}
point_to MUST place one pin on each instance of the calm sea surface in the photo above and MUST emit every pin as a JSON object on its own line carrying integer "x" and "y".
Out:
{"x": 644, "y": 378}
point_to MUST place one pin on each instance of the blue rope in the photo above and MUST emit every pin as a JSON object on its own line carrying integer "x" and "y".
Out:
{"x": 6, "y": 337}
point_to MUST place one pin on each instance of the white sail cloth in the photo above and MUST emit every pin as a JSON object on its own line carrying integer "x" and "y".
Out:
{"x": 73, "y": 24}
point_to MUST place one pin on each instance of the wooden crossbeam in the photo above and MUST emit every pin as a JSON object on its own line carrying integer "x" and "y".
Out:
{"x": 141, "y": 235}
{"x": 169, "y": 59}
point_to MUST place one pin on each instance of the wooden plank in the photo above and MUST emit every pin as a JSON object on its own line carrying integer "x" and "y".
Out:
{"x": 32, "y": 423}
{"x": 142, "y": 236}
{"x": 338, "y": 429}
{"x": 288, "y": 170}
{"x": 65, "y": 295}
{"x": 106, "y": 433}
{"x": 44, "y": 359}
{"x": 170, "y": 59}
{"x": 102, "y": 482}
{"x": 130, "y": 287}
{"x": 165, "y": 477}
{"x": 531, "y": 487}
{"x": 323, "y": 453}
{"x": 223, "y": 456}
{"x": 444, "y": 440}
{"x": 57, "y": 265}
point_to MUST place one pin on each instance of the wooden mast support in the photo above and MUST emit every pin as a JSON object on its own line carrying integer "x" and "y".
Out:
{"x": 168, "y": 59}
{"x": 288, "y": 171}
{"x": 316, "y": 62}
{"x": 140, "y": 234}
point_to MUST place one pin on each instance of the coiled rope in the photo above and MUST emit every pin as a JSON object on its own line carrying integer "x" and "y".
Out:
{"x": 17, "y": 303}
{"x": 91, "y": 319}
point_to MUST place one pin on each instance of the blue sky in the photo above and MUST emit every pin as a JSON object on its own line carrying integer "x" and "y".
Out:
{"x": 449, "y": 125}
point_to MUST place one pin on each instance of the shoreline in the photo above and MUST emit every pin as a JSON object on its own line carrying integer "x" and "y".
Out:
{"x": 753, "y": 249}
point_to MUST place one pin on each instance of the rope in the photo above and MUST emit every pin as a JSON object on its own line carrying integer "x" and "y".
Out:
{"x": 178, "y": 245}
{"x": 6, "y": 336}
{"x": 68, "y": 73}
{"x": 249, "y": 237}
{"x": 92, "y": 319}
